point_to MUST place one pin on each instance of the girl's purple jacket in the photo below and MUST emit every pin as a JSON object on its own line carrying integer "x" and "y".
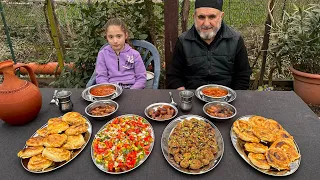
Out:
{"x": 126, "y": 68}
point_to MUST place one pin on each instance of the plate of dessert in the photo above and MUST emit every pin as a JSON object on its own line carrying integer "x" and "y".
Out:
{"x": 192, "y": 144}
{"x": 265, "y": 145}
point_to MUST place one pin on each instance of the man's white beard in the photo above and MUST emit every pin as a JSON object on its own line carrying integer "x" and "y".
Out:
{"x": 208, "y": 35}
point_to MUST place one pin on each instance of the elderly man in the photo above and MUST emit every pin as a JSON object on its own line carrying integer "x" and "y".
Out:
{"x": 209, "y": 53}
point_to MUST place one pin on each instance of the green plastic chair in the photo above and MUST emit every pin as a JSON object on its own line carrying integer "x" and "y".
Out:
{"x": 150, "y": 56}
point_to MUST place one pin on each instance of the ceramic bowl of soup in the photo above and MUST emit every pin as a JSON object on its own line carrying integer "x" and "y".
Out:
{"x": 215, "y": 92}
{"x": 219, "y": 111}
{"x": 102, "y": 91}
{"x": 101, "y": 109}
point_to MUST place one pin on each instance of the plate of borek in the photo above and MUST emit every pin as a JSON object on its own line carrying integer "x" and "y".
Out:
{"x": 265, "y": 145}
{"x": 192, "y": 144}
{"x": 122, "y": 144}
{"x": 56, "y": 143}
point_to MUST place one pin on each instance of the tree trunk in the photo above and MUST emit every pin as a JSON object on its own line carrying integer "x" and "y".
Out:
{"x": 54, "y": 29}
{"x": 265, "y": 44}
{"x": 270, "y": 75}
{"x": 67, "y": 23}
{"x": 151, "y": 28}
{"x": 185, "y": 15}
{"x": 171, "y": 31}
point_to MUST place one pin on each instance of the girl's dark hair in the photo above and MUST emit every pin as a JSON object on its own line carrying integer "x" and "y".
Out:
{"x": 118, "y": 22}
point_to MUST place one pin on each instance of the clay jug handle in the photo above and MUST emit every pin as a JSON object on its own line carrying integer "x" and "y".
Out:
{"x": 30, "y": 72}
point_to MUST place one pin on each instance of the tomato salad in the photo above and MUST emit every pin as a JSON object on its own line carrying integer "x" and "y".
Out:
{"x": 123, "y": 144}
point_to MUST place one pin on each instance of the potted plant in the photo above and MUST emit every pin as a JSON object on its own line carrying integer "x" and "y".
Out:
{"x": 297, "y": 39}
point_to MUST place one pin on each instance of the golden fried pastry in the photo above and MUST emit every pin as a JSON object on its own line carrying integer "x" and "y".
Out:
{"x": 73, "y": 118}
{"x": 244, "y": 131}
{"x": 76, "y": 129}
{"x": 39, "y": 163}
{"x": 42, "y": 132}
{"x": 255, "y": 147}
{"x": 282, "y": 134}
{"x": 272, "y": 125}
{"x": 56, "y": 154}
{"x": 55, "y": 140}
{"x": 257, "y": 121}
{"x": 74, "y": 142}
{"x": 264, "y": 134}
{"x": 259, "y": 160}
{"x": 54, "y": 120}
{"x": 278, "y": 159}
{"x": 56, "y": 125}
{"x": 30, "y": 151}
{"x": 288, "y": 146}
{"x": 35, "y": 141}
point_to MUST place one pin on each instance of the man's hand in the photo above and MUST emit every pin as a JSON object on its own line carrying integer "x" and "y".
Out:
{"x": 181, "y": 88}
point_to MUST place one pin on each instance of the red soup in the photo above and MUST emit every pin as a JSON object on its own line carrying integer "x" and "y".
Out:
{"x": 103, "y": 90}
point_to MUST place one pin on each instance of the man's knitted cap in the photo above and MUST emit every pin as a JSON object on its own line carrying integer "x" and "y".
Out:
{"x": 217, "y": 4}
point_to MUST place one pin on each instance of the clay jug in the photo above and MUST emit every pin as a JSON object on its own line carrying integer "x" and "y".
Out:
{"x": 20, "y": 100}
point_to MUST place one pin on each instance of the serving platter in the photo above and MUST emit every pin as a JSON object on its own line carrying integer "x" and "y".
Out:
{"x": 86, "y": 95}
{"x": 169, "y": 157}
{"x": 156, "y": 106}
{"x": 228, "y": 99}
{"x": 74, "y": 154}
{"x": 128, "y": 144}
{"x": 238, "y": 144}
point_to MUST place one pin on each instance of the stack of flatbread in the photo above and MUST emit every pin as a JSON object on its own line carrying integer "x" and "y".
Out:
{"x": 267, "y": 144}
{"x": 55, "y": 142}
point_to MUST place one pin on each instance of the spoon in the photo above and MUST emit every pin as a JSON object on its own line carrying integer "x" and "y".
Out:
{"x": 172, "y": 101}
{"x": 54, "y": 97}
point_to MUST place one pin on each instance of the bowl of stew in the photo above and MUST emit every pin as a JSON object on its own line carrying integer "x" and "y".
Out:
{"x": 214, "y": 92}
{"x": 101, "y": 109}
{"x": 219, "y": 110}
{"x": 102, "y": 91}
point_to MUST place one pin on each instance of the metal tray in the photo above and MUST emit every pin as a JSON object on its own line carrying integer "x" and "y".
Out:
{"x": 86, "y": 136}
{"x": 164, "y": 145}
{"x": 228, "y": 99}
{"x": 86, "y": 96}
{"x": 238, "y": 144}
{"x": 155, "y": 106}
{"x": 138, "y": 163}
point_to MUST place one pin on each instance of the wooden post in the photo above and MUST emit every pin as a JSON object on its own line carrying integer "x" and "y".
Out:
{"x": 266, "y": 38}
{"x": 185, "y": 15}
{"x": 55, "y": 32}
{"x": 6, "y": 29}
{"x": 171, "y": 29}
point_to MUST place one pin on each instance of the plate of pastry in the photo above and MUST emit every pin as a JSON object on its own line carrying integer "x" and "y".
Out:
{"x": 192, "y": 144}
{"x": 56, "y": 143}
{"x": 265, "y": 145}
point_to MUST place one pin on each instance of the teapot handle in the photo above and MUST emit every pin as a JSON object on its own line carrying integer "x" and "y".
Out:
{"x": 30, "y": 72}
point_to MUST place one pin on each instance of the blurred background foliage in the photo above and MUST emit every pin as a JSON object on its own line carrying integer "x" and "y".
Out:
{"x": 82, "y": 27}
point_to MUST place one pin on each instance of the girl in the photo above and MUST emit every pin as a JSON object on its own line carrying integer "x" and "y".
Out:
{"x": 118, "y": 63}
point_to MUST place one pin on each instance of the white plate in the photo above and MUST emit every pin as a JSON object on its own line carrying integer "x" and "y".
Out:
{"x": 74, "y": 153}
{"x": 238, "y": 144}
{"x": 164, "y": 145}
